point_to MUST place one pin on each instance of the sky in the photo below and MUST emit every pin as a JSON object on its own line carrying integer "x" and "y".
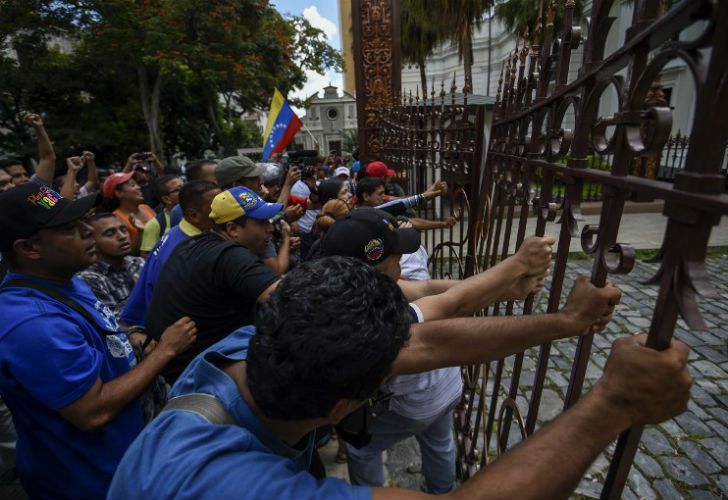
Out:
{"x": 323, "y": 14}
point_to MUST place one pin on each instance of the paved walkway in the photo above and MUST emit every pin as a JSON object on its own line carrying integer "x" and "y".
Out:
{"x": 686, "y": 457}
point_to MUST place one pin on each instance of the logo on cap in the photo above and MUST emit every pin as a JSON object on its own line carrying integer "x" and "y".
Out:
{"x": 45, "y": 197}
{"x": 374, "y": 250}
{"x": 247, "y": 200}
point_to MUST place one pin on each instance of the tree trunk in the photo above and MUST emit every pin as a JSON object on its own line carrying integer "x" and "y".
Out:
{"x": 150, "y": 107}
{"x": 468, "y": 58}
{"x": 227, "y": 147}
{"x": 423, "y": 76}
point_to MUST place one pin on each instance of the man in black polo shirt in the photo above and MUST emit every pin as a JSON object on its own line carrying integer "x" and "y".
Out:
{"x": 217, "y": 278}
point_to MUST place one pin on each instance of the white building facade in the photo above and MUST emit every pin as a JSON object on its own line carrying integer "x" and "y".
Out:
{"x": 327, "y": 121}
{"x": 499, "y": 46}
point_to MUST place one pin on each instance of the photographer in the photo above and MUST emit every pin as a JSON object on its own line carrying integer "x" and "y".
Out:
{"x": 141, "y": 164}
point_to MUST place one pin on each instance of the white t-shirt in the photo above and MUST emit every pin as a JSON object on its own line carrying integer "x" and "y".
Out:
{"x": 422, "y": 395}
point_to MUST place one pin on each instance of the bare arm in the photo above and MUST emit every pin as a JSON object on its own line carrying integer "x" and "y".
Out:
{"x": 509, "y": 279}
{"x": 104, "y": 401}
{"x": 92, "y": 175}
{"x": 469, "y": 296}
{"x": 472, "y": 294}
{"x": 427, "y": 224}
{"x": 464, "y": 341}
{"x": 263, "y": 297}
{"x": 74, "y": 165}
{"x": 46, "y": 156}
{"x": 158, "y": 167}
{"x": 283, "y": 256}
{"x": 129, "y": 162}
{"x": 293, "y": 176}
{"x": 639, "y": 386}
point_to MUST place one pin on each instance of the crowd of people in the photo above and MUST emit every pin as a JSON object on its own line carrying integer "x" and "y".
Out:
{"x": 198, "y": 333}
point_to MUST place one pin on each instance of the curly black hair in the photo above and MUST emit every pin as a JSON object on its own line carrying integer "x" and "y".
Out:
{"x": 330, "y": 331}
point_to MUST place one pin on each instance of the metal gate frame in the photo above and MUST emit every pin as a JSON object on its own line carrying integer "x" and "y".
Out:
{"x": 441, "y": 135}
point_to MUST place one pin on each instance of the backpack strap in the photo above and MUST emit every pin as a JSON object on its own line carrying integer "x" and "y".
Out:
{"x": 162, "y": 222}
{"x": 203, "y": 405}
{"x": 59, "y": 297}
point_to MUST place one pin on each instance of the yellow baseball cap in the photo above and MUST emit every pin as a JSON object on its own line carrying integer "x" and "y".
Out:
{"x": 238, "y": 201}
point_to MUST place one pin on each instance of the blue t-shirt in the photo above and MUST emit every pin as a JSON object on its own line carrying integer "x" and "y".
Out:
{"x": 135, "y": 310}
{"x": 181, "y": 455}
{"x": 50, "y": 357}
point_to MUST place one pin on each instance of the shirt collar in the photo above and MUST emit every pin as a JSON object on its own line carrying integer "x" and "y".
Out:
{"x": 186, "y": 227}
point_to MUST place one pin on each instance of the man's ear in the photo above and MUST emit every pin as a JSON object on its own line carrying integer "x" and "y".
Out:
{"x": 232, "y": 229}
{"x": 27, "y": 248}
{"x": 341, "y": 409}
{"x": 191, "y": 214}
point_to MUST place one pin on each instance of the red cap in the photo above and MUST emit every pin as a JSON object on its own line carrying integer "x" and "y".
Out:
{"x": 112, "y": 181}
{"x": 379, "y": 169}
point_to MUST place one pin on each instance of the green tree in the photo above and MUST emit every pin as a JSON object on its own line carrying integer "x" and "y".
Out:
{"x": 174, "y": 74}
{"x": 238, "y": 52}
{"x": 457, "y": 19}
{"x": 419, "y": 36}
{"x": 520, "y": 16}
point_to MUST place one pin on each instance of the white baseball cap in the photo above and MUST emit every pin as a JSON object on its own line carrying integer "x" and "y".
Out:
{"x": 342, "y": 171}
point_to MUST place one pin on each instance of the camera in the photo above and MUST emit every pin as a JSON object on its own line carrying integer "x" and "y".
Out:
{"x": 305, "y": 160}
{"x": 142, "y": 156}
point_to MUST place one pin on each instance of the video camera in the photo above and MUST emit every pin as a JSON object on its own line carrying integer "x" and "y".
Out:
{"x": 304, "y": 160}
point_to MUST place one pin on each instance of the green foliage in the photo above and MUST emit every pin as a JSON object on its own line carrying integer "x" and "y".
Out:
{"x": 351, "y": 140}
{"x": 520, "y": 16}
{"x": 419, "y": 35}
{"x": 426, "y": 23}
{"x": 177, "y": 74}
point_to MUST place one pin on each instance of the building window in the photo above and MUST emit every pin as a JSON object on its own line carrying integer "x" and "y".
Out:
{"x": 332, "y": 113}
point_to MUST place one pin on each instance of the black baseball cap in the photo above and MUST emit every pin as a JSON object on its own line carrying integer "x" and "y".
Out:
{"x": 28, "y": 208}
{"x": 370, "y": 235}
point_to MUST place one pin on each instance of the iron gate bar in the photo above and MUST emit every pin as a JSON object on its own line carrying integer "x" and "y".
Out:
{"x": 648, "y": 189}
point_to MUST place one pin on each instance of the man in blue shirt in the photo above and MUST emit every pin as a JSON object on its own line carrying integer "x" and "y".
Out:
{"x": 330, "y": 334}
{"x": 67, "y": 373}
{"x": 195, "y": 200}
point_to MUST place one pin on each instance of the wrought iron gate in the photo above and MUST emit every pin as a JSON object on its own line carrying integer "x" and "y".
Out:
{"x": 531, "y": 149}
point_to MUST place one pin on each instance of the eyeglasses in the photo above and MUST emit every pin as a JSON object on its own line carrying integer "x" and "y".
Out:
{"x": 172, "y": 191}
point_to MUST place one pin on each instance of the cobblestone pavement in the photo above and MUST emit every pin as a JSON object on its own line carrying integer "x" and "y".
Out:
{"x": 686, "y": 457}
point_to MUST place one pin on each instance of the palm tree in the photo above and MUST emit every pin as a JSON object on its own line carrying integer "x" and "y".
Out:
{"x": 520, "y": 16}
{"x": 419, "y": 36}
{"x": 456, "y": 19}
{"x": 351, "y": 140}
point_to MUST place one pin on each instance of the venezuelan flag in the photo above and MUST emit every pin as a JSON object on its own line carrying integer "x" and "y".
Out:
{"x": 282, "y": 125}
